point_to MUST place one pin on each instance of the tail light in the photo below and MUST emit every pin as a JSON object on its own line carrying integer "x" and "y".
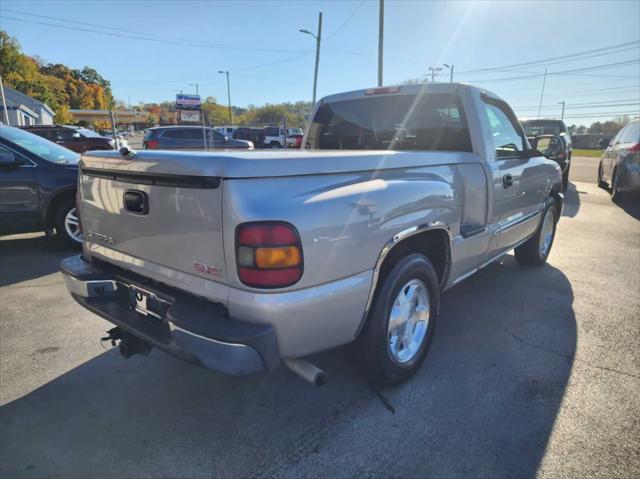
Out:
{"x": 269, "y": 254}
{"x": 152, "y": 144}
{"x": 635, "y": 148}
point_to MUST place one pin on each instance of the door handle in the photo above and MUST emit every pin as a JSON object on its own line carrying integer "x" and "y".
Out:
{"x": 507, "y": 181}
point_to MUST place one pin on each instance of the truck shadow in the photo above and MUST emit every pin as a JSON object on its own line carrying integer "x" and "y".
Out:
{"x": 26, "y": 257}
{"x": 483, "y": 404}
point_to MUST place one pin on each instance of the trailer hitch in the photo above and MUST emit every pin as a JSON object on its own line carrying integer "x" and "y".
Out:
{"x": 129, "y": 344}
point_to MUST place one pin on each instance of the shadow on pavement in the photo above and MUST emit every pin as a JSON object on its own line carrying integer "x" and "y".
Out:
{"x": 27, "y": 257}
{"x": 483, "y": 404}
{"x": 571, "y": 201}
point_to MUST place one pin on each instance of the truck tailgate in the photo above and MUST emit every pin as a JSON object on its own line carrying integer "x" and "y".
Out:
{"x": 159, "y": 222}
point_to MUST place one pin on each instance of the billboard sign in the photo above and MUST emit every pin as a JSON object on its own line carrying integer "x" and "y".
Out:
{"x": 189, "y": 116}
{"x": 187, "y": 102}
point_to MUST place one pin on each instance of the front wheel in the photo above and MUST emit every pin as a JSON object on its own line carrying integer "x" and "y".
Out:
{"x": 400, "y": 325}
{"x": 67, "y": 223}
{"x": 535, "y": 251}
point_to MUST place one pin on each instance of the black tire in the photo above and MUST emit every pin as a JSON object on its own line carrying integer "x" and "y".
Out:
{"x": 601, "y": 182}
{"x": 275, "y": 144}
{"x": 565, "y": 178}
{"x": 59, "y": 221}
{"x": 616, "y": 194}
{"x": 529, "y": 253}
{"x": 371, "y": 351}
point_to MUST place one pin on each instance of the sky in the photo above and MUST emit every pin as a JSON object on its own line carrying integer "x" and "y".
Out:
{"x": 149, "y": 50}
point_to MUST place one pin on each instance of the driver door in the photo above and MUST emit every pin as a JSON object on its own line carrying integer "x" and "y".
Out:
{"x": 517, "y": 192}
{"x": 19, "y": 198}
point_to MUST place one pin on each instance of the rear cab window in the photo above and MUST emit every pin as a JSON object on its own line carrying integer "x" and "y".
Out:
{"x": 398, "y": 122}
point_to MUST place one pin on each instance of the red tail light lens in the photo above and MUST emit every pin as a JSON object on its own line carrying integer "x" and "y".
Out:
{"x": 152, "y": 144}
{"x": 268, "y": 254}
{"x": 635, "y": 148}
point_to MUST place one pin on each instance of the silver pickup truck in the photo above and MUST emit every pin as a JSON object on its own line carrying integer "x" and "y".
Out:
{"x": 239, "y": 261}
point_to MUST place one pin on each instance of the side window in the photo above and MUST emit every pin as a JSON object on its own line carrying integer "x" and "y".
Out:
{"x": 18, "y": 157}
{"x": 506, "y": 139}
{"x": 64, "y": 133}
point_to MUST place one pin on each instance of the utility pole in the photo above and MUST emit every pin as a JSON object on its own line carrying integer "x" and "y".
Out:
{"x": 434, "y": 71}
{"x": 228, "y": 95}
{"x": 562, "y": 103}
{"x": 544, "y": 81}
{"x": 204, "y": 129}
{"x": 450, "y": 67}
{"x": 318, "y": 37}
{"x": 4, "y": 103}
{"x": 380, "y": 39}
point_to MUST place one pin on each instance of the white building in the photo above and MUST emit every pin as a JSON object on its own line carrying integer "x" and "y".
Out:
{"x": 24, "y": 110}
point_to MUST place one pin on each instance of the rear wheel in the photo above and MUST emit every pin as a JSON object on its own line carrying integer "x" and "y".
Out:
{"x": 535, "y": 251}
{"x": 616, "y": 194}
{"x": 400, "y": 325}
{"x": 601, "y": 182}
{"x": 275, "y": 144}
{"x": 565, "y": 178}
{"x": 67, "y": 223}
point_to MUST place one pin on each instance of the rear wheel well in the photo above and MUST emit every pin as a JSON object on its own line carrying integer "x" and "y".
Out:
{"x": 434, "y": 244}
{"x": 55, "y": 203}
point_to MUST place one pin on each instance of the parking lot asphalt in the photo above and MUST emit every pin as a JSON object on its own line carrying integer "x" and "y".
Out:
{"x": 533, "y": 371}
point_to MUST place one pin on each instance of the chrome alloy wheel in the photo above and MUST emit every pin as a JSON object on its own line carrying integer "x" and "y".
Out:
{"x": 408, "y": 321}
{"x": 546, "y": 232}
{"x": 72, "y": 225}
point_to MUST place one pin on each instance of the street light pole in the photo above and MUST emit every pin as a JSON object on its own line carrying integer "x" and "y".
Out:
{"x": 228, "y": 95}
{"x": 562, "y": 103}
{"x": 4, "y": 103}
{"x": 380, "y": 40}
{"x": 318, "y": 37}
{"x": 450, "y": 67}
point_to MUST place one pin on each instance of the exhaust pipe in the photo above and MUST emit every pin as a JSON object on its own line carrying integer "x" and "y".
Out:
{"x": 306, "y": 371}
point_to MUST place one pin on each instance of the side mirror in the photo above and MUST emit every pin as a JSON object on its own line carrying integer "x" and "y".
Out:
{"x": 548, "y": 145}
{"x": 8, "y": 159}
{"x": 604, "y": 143}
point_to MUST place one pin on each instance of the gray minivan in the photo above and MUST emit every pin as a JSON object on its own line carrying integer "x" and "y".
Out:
{"x": 182, "y": 137}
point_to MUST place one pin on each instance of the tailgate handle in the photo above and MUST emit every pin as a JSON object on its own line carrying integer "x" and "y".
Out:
{"x": 136, "y": 202}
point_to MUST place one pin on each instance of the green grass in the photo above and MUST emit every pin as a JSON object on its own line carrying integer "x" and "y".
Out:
{"x": 592, "y": 153}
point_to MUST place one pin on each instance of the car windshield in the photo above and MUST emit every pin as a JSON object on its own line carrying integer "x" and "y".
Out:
{"x": 39, "y": 146}
{"x": 87, "y": 133}
{"x": 394, "y": 122}
{"x": 541, "y": 128}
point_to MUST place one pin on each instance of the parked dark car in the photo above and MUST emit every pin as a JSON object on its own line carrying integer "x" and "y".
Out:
{"x": 38, "y": 182}
{"x": 75, "y": 138}
{"x": 536, "y": 128}
{"x": 620, "y": 164}
{"x": 190, "y": 138}
{"x": 254, "y": 135}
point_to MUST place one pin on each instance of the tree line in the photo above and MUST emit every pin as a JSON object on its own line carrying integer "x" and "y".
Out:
{"x": 60, "y": 87}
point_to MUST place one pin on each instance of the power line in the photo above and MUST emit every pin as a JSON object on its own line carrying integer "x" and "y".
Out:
{"x": 564, "y": 72}
{"x": 587, "y": 105}
{"x": 355, "y": 10}
{"x": 138, "y": 35}
{"x": 553, "y": 59}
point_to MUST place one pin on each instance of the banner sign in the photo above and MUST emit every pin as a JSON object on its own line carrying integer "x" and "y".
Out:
{"x": 187, "y": 102}
{"x": 189, "y": 116}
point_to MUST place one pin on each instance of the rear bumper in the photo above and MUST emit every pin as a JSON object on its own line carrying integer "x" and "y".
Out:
{"x": 187, "y": 327}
